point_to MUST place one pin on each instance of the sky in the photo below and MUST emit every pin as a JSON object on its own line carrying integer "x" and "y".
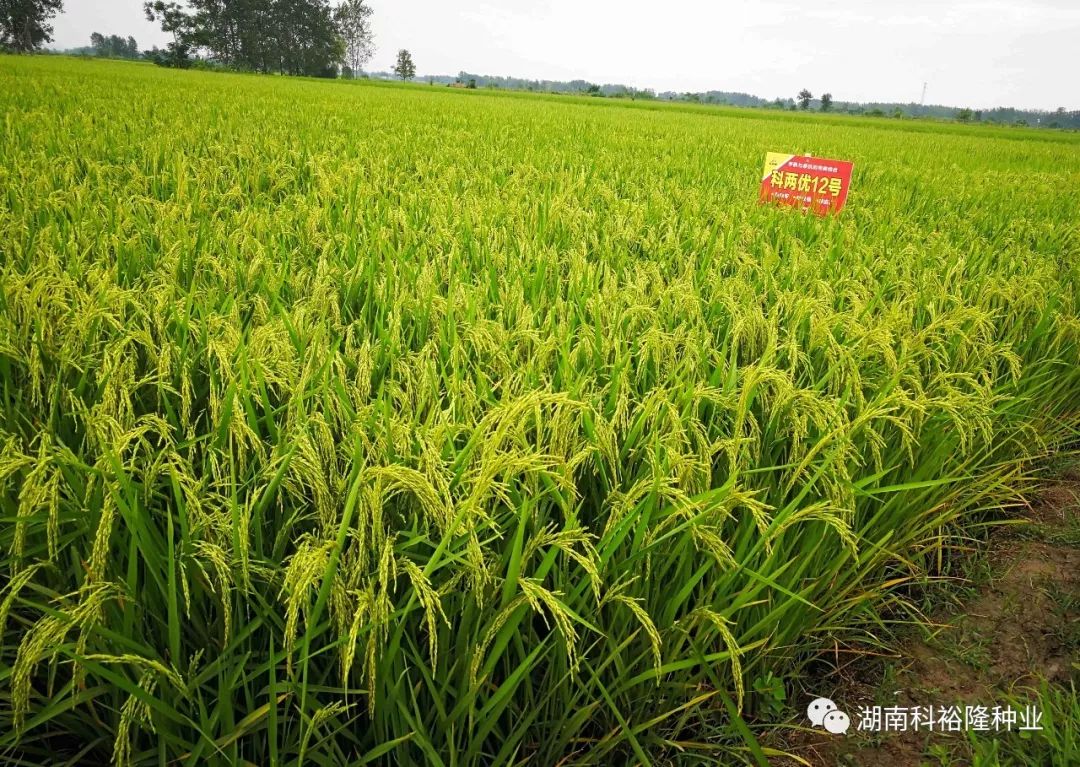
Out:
{"x": 976, "y": 53}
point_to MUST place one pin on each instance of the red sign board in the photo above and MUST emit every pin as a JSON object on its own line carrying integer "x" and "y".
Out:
{"x": 810, "y": 183}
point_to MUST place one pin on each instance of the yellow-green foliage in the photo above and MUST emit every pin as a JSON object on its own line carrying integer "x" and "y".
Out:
{"x": 353, "y": 419}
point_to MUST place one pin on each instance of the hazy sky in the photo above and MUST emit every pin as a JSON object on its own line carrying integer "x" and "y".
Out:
{"x": 978, "y": 53}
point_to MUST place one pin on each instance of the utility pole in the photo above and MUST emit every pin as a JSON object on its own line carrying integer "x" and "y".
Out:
{"x": 922, "y": 99}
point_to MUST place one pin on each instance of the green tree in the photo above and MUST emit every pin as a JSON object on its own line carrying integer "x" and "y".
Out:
{"x": 826, "y": 102}
{"x": 114, "y": 46}
{"x": 180, "y": 25}
{"x": 405, "y": 68}
{"x": 804, "y": 98}
{"x": 296, "y": 37}
{"x": 315, "y": 47}
{"x": 172, "y": 19}
{"x": 352, "y": 19}
{"x": 964, "y": 115}
{"x": 24, "y": 24}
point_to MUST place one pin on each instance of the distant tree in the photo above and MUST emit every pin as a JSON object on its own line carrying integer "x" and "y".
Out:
{"x": 352, "y": 19}
{"x": 405, "y": 68}
{"x": 176, "y": 55}
{"x": 114, "y": 46}
{"x": 471, "y": 84}
{"x": 826, "y": 102}
{"x": 964, "y": 115}
{"x": 24, "y": 24}
{"x": 804, "y": 98}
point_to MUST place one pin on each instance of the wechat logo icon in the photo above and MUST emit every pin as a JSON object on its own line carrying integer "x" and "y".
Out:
{"x": 822, "y": 712}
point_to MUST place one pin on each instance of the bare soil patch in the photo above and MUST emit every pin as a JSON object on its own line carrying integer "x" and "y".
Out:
{"x": 1019, "y": 627}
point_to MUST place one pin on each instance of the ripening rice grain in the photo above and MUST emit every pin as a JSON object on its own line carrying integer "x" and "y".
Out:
{"x": 346, "y": 419}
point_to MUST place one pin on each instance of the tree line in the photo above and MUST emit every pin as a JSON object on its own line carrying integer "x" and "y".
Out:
{"x": 293, "y": 37}
{"x": 114, "y": 46}
{"x": 314, "y": 37}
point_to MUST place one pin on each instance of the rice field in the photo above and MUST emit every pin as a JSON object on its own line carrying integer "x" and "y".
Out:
{"x": 369, "y": 423}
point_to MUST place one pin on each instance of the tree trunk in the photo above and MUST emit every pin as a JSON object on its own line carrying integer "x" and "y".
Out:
{"x": 27, "y": 39}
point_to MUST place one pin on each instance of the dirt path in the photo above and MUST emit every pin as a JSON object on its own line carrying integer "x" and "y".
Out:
{"x": 1014, "y": 641}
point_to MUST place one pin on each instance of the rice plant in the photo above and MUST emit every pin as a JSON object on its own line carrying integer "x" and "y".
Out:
{"x": 353, "y": 423}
